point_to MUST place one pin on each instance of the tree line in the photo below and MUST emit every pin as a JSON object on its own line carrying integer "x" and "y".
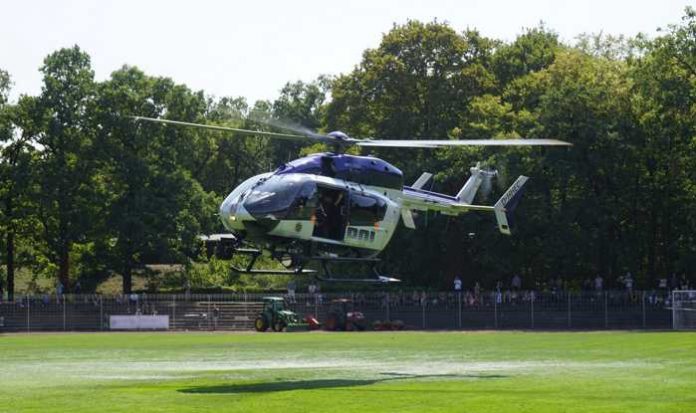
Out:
{"x": 86, "y": 193}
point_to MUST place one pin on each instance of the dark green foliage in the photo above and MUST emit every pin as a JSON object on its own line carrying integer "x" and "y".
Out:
{"x": 156, "y": 206}
{"x": 300, "y": 104}
{"x": 62, "y": 127}
{"x": 86, "y": 193}
{"x": 617, "y": 201}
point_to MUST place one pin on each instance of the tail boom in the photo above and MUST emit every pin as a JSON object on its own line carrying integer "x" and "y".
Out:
{"x": 422, "y": 200}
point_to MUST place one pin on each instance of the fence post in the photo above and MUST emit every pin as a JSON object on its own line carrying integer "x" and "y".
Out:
{"x": 173, "y": 311}
{"x": 101, "y": 312}
{"x": 570, "y": 319}
{"x": 388, "y": 303}
{"x": 674, "y": 311}
{"x": 28, "y": 316}
{"x": 531, "y": 300}
{"x": 606, "y": 312}
{"x": 64, "y": 312}
{"x": 246, "y": 306}
{"x": 459, "y": 313}
{"x": 423, "y": 311}
{"x": 208, "y": 315}
{"x": 643, "y": 308}
{"x": 495, "y": 310}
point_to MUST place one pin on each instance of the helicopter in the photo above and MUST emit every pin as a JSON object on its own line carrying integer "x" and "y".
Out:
{"x": 332, "y": 208}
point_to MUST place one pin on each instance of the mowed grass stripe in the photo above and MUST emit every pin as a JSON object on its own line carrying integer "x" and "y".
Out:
{"x": 405, "y": 371}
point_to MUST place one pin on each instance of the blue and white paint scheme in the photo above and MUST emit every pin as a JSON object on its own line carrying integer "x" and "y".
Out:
{"x": 352, "y": 176}
{"x": 343, "y": 207}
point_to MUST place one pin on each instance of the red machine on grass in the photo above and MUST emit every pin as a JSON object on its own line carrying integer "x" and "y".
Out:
{"x": 343, "y": 317}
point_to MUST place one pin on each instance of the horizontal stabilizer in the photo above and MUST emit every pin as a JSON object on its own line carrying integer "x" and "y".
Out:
{"x": 422, "y": 180}
{"x": 468, "y": 192}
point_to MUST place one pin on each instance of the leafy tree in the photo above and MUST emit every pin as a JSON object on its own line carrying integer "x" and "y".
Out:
{"x": 532, "y": 51}
{"x": 63, "y": 131}
{"x": 300, "y": 106}
{"x": 156, "y": 208}
{"x": 585, "y": 101}
{"x": 15, "y": 182}
{"x": 86, "y": 191}
{"x": 234, "y": 158}
{"x": 665, "y": 106}
{"x": 420, "y": 82}
{"x": 6, "y": 134}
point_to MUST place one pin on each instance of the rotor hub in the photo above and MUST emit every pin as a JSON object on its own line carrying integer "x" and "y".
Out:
{"x": 339, "y": 135}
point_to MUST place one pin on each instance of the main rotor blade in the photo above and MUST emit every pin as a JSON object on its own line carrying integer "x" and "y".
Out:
{"x": 248, "y": 132}
{"x": 312, "y": 137}
{"x": 463, "y": 142}
{"x": 285, "y": 124}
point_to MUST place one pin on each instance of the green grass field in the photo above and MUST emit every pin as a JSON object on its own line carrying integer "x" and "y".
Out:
{"x": 303, "y": 372}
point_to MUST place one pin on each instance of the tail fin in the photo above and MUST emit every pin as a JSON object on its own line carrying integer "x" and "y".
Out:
{"x": 468, "y": 192}
{"x": 507, "y": 204}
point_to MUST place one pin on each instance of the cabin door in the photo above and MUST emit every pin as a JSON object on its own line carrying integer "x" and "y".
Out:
{"x": 331, "y": 213}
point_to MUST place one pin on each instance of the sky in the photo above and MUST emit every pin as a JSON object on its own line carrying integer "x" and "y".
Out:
{"x": 252, "y": 48}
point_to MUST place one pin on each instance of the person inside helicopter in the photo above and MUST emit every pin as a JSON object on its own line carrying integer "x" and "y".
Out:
{"x": 330, "y": 214}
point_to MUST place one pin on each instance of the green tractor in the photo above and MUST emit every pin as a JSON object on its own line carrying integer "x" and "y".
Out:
{"x": 275, "y": 315}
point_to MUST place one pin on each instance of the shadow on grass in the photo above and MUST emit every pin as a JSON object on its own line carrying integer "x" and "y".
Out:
{"x": 290, "y": 385}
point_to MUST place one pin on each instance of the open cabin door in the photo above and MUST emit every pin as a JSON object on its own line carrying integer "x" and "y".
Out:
{"x": 331, "y": 213}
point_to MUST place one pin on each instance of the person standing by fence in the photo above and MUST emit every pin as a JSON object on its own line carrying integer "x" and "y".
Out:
{"x": 684, "y": 283}
{"x": 457, "y": 284}
{"x": 598, "y": 283}
{"x": 292, "y": 286}
{"x": 516, "y": 282}
{"x": 59, "y": 291}
{"x": 628, "y": 282}
{"x": 216, "y": 316}
{"x": 313, "y": 290}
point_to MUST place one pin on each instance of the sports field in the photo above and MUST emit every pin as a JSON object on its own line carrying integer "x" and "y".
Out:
{"x": 303, "y": 372}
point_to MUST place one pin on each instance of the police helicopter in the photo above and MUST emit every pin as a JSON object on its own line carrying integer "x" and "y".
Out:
{"x": 333, "y": 207}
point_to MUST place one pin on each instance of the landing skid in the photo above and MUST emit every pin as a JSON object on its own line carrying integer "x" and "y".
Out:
{"x": 380, "y": 279}
{"x": 327, "y": 276}
{"x": 255, "y": 254}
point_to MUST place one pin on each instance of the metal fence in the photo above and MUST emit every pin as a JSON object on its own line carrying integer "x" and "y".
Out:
{"x": 416, "y": 310}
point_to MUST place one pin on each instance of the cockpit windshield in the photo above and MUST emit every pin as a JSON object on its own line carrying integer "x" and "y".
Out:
{"x": 283, "y": 197}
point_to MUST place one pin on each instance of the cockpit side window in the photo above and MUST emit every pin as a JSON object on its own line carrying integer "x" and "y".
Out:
{"x": 305, "y": 203}
{"x": 276, "y": 196}
{"x": 366, "y": 210}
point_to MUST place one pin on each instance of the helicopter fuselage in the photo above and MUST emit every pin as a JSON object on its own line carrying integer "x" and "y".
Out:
{"x": 335, "y": 202}
{"x": 344, "y": 205}
{"x": 341, "y": 207}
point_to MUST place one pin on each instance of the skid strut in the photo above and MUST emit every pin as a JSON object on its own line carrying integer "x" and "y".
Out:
{"x": 324, "y": 261}
{"x": 255, "y": 254}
